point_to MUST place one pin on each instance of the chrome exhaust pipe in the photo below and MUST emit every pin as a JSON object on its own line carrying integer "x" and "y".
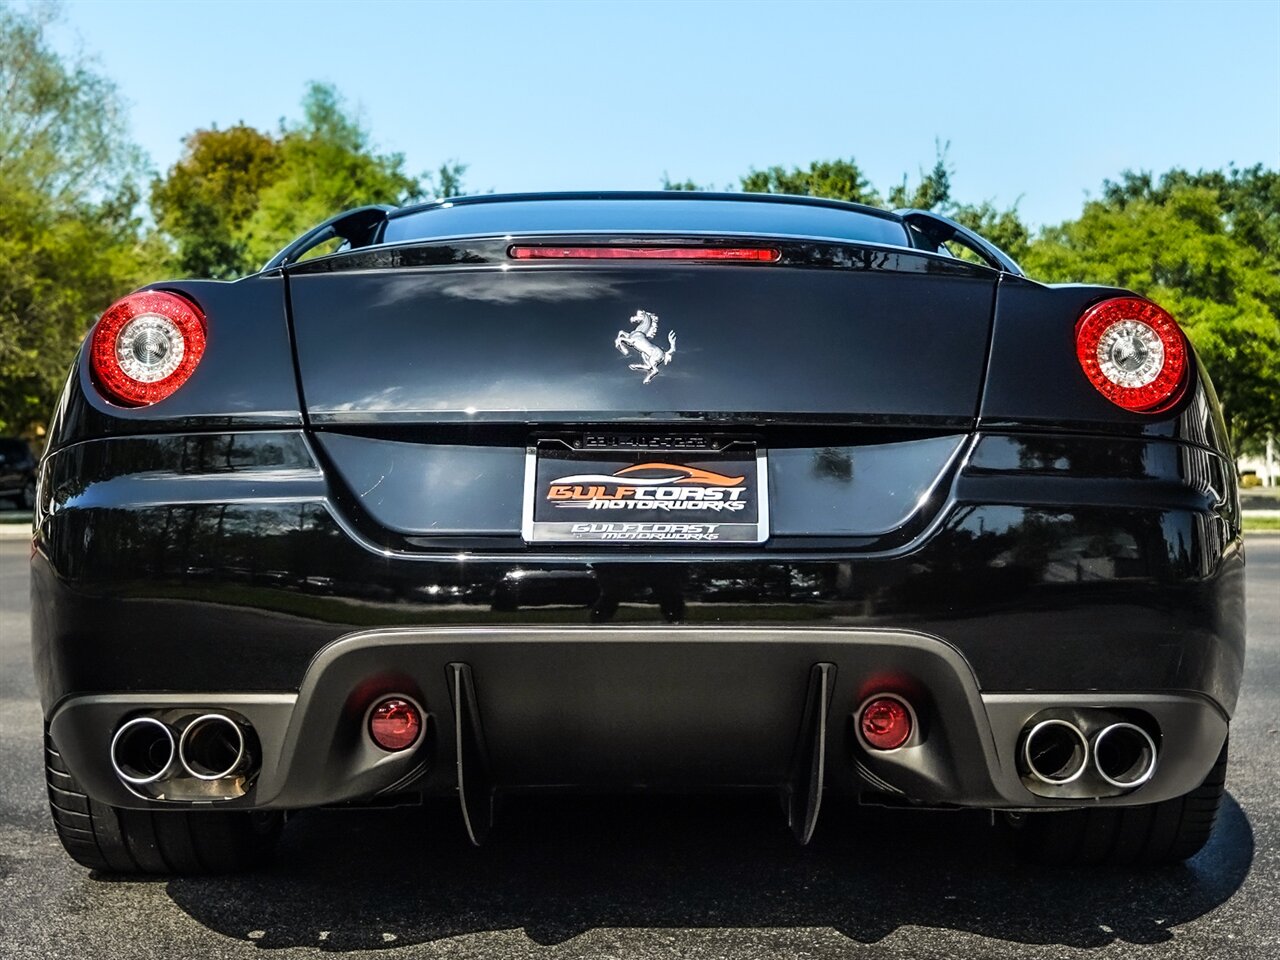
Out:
{"x": 211, "y": 747}
{"x": 1124, "y": 755}
{"x": 1055, "y": 752}
{"x": 142, "y": 751}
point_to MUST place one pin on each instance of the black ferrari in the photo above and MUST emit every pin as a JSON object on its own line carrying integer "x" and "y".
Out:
{"x": 635, "y": 492}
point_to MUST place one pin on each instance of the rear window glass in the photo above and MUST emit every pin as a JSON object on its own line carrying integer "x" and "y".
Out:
{"x": 644, "y": 216}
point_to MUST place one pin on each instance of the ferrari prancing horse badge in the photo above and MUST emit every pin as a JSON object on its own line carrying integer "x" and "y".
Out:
{"x": 652, "y": 357}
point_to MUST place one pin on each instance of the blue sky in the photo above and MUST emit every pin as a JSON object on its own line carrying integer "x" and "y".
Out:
{"x": 1040, "y": 101}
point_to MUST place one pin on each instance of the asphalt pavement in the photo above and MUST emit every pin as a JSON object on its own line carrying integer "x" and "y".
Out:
{"x": 669, "y": 877}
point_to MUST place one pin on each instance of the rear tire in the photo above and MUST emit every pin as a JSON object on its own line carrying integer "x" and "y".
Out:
{"x": 169, "y": 842}
{"x": 1158, "y": 833}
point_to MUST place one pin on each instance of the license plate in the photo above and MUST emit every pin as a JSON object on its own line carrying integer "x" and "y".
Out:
{"x": 647, "y": 496}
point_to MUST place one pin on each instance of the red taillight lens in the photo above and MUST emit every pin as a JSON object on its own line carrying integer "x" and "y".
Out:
{"x": 735, "y": 254}
{"x": 1133, "y": 353}
{"x": 146, "y": 346}
{"x": 885, "y": 723}
{"x": 395, "y": 724}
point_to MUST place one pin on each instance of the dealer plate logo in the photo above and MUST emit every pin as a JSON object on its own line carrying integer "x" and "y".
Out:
{"x": 574, "y": 496}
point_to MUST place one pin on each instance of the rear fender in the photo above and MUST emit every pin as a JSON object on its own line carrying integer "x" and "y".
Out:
{"x": 1034, "y": 379}
{"x": 245, "y": 379}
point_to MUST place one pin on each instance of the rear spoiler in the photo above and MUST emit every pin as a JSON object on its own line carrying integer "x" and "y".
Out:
{"x": 359, "y": 227}
{"x": 936, "y": 230}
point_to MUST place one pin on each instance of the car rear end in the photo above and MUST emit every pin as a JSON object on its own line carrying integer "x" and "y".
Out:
{"x": 642, "y": 492}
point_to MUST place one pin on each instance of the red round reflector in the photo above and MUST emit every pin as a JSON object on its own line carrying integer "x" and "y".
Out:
{"x": 395, "y": 724}
{"x": 885, "y": 723}
{"x": 146, "y": 346}
{"x": 1133, "y": 353}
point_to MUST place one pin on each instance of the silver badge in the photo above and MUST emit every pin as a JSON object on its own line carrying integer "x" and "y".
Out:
{"x": 652, "y": 357}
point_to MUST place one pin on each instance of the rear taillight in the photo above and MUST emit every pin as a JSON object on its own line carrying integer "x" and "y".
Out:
{"x": 733, "y": 254}
{"x": 146, "y": 346}
{"x": 1133, "y": 353}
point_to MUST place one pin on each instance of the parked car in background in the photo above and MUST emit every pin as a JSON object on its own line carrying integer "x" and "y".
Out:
{"x": 17, "y": 472}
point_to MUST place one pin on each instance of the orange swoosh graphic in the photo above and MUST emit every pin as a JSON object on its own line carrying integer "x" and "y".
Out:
{"x": 693, "y": 474}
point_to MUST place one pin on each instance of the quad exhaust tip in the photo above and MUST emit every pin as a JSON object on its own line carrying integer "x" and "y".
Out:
{"x": 1056, "y": 752}
{"x": 142, "y": 751}
{"x": 1124, "y": 755}
{"x": 211, "y": 747}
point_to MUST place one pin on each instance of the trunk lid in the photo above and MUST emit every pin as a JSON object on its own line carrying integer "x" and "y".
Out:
{"x": 894, "y": 339}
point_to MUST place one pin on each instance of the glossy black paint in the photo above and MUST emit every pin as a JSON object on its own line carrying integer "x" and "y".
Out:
{"x": 245, "y": 379}
{"x": 145, "y": 581}
{"x": 496, "y": 251}
{"x": 348, "y": 456}
{"x": 535, "y": 342}
{"x": 431, "y": 490}
{"x": 1033, "y": 379}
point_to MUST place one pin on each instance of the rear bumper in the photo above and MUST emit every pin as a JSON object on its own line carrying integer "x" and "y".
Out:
{"x": 659, "y": 708}
{"x": 241, "y": 592}
{"x": 1040, "y": 573}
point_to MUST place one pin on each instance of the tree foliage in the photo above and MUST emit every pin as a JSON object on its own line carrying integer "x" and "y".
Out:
{"x": 72, "y": 239}
{"x": 844, "y": 180}
{"x": 239, "y": 195}
{"x": 838, "y": 179}
{"x": 210, "y": 195}
{"x": 687, "y": 185}
{"x": 62, "y": 129}
{"x": 1205, "y": 247}
{"x": 1003, "y": 227}
{"x": 327, "y": 164}
{"x": 69, "y": 238}
{"x": 933, "y": 192}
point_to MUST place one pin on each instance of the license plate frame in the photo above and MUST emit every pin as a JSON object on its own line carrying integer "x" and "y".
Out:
{"x": 612, "y": 497}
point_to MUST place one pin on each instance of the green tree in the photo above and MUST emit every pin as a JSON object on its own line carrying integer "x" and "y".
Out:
{"x": 1248, "y": 200}
{"x": 933, "y": 192}
{"x": 209, "y": 196}
{"x": 1199, "y": 245}
{"x": 69, "y": 239}
{"x": 837, "y": 179}
{"x": 327, "y": 164}
{"x": 1003, "y": 227}
{"x": 447, "y": 181}
{"x": 688, "y": 185}
{"x": 1205, "y": 245}
{"x": 844, "y": 180}
{"x": 237, "y": 196}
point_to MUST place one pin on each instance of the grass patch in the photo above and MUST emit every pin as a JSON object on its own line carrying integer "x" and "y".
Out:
{"x": 1262, "y": 524}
